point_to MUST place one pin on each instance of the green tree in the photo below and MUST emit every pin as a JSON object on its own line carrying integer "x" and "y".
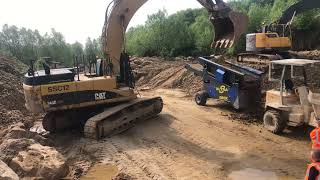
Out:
{"x": 77, "y": 48}
{"x": 26, "y": 44}
{"x": 202, "y": 30}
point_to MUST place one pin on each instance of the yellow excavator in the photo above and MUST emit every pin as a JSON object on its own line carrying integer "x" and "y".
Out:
{"x": 105, "y": 102}
{"x": 275, "y": 39}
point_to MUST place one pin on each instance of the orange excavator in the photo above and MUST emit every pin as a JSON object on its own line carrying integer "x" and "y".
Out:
{"x": 105, "y": 102}
{"x": 275, "y": 39}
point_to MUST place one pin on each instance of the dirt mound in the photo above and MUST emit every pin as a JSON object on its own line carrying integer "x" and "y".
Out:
{"x": 151, "y": 72}
{"x": 315, "y": 54}
{"x": 6, "y": 172}
{"x": 16, "y": 138}
{"x": 29, "y": 155}
{"x": 11, "y": 94}
{"x": 18, "y": 131}
{"x": 39, "y": 161}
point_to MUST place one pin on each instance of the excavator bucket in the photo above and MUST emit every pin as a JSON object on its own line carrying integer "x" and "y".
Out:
{"x": 228, "y": 28}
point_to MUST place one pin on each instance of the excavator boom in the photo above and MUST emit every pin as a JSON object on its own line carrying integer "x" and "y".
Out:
{"x": 228, "y": 25}
{"x": 299, "y": 7}
{"x": 281, "y": 25}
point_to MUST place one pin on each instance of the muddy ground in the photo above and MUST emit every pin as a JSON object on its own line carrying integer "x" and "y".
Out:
{"x": 185, "y": 141}
{"x": 191, "y": 142}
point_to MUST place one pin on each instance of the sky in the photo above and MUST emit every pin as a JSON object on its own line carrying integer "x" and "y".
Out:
{"x": 76, "y": 19}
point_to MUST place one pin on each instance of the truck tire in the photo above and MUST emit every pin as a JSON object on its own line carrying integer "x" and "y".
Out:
{"x": 273, "y": 122}
{"x": 201, "y": 98}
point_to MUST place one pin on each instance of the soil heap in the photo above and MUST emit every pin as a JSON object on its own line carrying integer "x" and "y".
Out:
{"x": 12, "y": 107}
{"x": 154, "y": 72}
{"x": 23, "y": 154}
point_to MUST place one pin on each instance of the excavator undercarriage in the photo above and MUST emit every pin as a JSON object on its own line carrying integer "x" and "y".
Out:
{"x": 103, "y": 121}
{"x": 119, "y": 118}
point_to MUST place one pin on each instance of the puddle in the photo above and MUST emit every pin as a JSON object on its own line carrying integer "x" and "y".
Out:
{"x": 101, "y": 171}
{"x": 256, "y": 174}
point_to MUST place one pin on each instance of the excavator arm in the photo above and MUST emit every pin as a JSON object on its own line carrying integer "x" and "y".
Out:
{"x": 228, "y": 25}
{"x": 299, "y": 7}
{"x": 283, "y": 23}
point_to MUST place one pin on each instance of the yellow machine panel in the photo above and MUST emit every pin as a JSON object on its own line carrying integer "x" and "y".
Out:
{"x": 272, "y": 40}
{"x": 84, "y": 92}
{"x": 101, "y": 83}
{"x": 257, "y": 42}
{"x": 58, "y": 88}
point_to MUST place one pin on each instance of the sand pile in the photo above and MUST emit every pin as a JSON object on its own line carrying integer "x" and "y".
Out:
{"x": 315, "y": 54}
{"x": 11, "y": 94}
{"x": 30, "y": 155}
{"x": 23, "y": 154}
{"x": 152, "y": 72}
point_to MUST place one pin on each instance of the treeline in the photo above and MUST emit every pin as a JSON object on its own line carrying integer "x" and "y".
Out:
{"x": 26, "y": 44}
{"x": 184, "y": 33}
{"x": 189, "y": 32}
{"x": 305, "y": 26}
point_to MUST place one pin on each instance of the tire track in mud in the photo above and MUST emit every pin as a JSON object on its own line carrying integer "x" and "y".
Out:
{"x": 180, "y": 157}
{"x": 152, "y": 158}
{"x": 241, "y": 150}
{"x": 184, "y": 148}
{"x": 110, "y": 153}
{"x": 133, "y": 158}
{"x": 223, "y": 128}
{"x": 187, "y": 142}
{"x": 155, "y": 158}
{"x": 184, "y": 130}
{"x": 140, "y": 159}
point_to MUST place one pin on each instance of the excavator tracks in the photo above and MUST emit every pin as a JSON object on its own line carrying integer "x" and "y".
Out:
{"x": 119, "y": 118}
{"x": 262, "y": 59}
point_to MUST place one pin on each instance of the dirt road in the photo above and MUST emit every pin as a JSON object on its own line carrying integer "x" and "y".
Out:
{"x": 191, "y": 142}
{"x": 185, "y": 141}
